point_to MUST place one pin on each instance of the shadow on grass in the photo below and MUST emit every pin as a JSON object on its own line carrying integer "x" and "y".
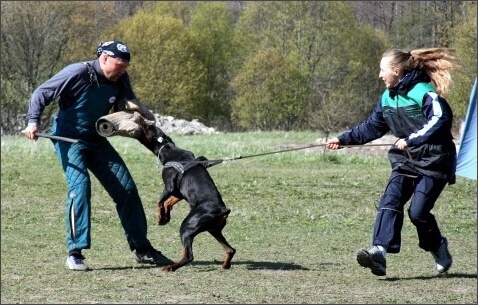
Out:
{"x": 448, "y": 275}
{"x": 250, "y": 265}
{"x": 125, "y": 267}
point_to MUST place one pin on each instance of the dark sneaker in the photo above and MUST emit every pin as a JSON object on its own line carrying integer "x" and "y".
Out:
{"x": 75, "y": 262}
{"x": 151, "y": 256}
{"x": 442, "y": 256}
{"x": 372, "y": 259}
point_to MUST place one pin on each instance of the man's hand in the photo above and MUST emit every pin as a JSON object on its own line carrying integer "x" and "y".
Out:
{"x": 30, "y": 132}
{"x": 136, "y": 105}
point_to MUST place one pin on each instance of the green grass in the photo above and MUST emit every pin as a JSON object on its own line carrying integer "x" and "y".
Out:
{"x": 297, "y": 220}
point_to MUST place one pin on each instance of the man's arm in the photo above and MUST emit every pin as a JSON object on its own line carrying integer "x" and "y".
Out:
{"x": 66, "y": 82}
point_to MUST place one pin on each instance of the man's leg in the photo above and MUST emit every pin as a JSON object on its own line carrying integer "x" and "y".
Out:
{"x": 78, "y": 204}
{"x": 108, "y": 166}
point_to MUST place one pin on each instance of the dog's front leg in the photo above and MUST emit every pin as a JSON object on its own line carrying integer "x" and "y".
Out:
{"x": 169, "y": 197}
{"x": 161, "y": 215}
{"x": 165, "y": 209}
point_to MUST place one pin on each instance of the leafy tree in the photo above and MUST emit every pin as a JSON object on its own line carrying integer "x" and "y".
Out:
{"x": 185, "y": 53}
{"x": 165, "y": 70}
{"x": 34, "y": 37}
{"x": 38, "y": 39}
{"x": 335, "y": 56}
{"x": 411, "y": 24}
{"x": 346, "y": 70}
{"x": 126, "y": 8}
{"x": 424, "y": 24}
{"x": 181, "y": 10}
{"x": 260, "y": 104}
{"x": 464, "y": 41}
{"x": 211, "y": 25}
{"x": 87, "y": 33}
{"x": 378, "y": 14}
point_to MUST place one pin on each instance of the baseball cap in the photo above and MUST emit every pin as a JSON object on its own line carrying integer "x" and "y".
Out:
{"x": 114, "y": 48}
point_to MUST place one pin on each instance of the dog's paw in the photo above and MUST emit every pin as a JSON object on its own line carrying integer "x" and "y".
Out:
{"x": 161, "y": 215}
{"x": 163, "y": 221}
{"x": 163, "y": 218}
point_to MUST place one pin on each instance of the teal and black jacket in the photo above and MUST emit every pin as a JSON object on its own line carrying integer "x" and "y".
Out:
{"x": 413, "y": 111}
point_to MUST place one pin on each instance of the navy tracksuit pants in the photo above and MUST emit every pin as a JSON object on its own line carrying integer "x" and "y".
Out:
{"x": 107, "y": 165}
{"x": 423, "y": 192}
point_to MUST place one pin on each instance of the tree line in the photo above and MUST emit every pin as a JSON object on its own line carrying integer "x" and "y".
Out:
{"x": 236, "y": 65}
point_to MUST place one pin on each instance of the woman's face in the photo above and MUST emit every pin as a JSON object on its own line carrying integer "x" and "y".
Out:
{"x": 113, "y": 67}
{"x": 388, "y": 74}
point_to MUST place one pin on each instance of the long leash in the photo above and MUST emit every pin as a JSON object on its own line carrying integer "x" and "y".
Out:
{"x": 210, "y": 163}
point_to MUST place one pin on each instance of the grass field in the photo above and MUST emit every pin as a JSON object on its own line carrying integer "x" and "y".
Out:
{"x": 297, "y": 220}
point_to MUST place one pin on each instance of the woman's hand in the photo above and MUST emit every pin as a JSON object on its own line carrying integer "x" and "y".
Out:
{"x": 333, "y": 143}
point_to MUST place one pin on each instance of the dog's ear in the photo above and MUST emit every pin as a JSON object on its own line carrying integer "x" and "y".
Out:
{"x": 202, "y": 158}
{"x": 153, "y": 132}
{"x": 204, "y": 161}
{"x": 163, "y": 138}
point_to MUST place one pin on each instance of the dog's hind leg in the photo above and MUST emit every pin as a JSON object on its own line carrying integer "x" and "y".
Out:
{"x": 217, "y": 233}
{"x": 188, "y": 231}
{"x": 198, "y": 220}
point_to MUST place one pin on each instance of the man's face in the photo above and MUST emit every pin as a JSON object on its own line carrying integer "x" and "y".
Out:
{"x": 113, "y": 67}
{"x": 388, "y": 74}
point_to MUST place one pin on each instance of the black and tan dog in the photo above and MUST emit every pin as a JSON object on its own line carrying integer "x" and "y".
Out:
{"x": 186, "y": 177}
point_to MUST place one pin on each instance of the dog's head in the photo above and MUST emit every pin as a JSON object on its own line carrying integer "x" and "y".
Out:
{"x": 156, "y": 139}
{"x": 152, "y": 136}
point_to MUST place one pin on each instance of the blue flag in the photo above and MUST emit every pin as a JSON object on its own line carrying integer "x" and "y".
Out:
{"x": 466, "y": 159}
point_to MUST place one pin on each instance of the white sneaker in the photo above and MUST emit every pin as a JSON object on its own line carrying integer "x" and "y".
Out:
{"x": 442, "y": 256}
{"x": 373, "y": 259}
{"x": 75, "y": 262}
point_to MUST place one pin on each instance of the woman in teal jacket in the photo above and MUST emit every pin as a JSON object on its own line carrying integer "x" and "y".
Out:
{"x": 423, "y": 159}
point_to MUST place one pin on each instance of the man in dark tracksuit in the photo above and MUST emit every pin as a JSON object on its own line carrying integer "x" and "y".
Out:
{"x": 423, "y": 162}
{"x": 87, "y": 91}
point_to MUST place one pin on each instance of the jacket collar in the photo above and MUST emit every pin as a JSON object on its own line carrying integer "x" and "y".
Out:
{"x": 410, "y": 79}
